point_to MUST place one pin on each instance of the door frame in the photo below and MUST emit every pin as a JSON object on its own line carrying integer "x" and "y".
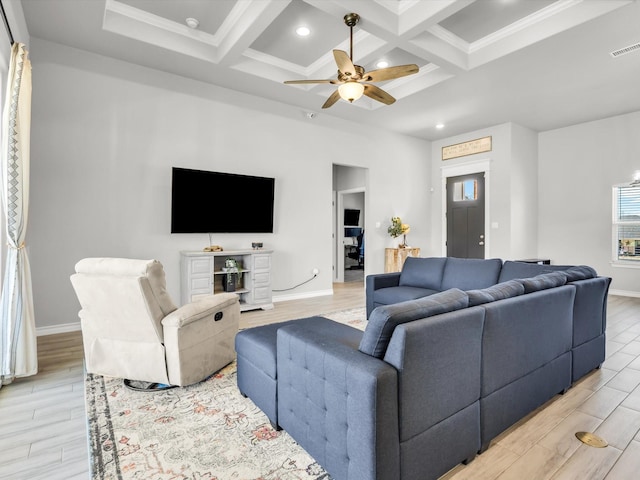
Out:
{"x": 480, "y": 166}
{"x": 338, "y": 275}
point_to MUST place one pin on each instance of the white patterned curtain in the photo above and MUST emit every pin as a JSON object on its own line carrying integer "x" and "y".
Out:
{"x": 18, "y": 346}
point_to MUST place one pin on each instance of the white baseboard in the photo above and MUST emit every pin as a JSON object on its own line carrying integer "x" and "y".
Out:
{"x": 53, "y": 329}
{"x": 300, "y": 296}
{"x": 624, "y": 293}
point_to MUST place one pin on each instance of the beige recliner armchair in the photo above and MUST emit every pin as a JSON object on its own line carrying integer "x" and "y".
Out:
{"x": 132, "y": 330}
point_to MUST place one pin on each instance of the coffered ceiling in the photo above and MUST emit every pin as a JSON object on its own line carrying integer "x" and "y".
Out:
{"x": 540, "y": 63}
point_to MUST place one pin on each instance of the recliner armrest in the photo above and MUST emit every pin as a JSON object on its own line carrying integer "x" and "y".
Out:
{"x": 201, "y": 308}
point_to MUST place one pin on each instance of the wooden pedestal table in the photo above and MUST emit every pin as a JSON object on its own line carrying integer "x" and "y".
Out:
{"x": 394, "y": 257}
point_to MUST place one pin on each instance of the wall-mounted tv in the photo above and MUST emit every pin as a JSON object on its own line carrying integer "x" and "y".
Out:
{"x": 216, "y": 202}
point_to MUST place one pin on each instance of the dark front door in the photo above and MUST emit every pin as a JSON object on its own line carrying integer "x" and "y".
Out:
{"x": 465, "y": 216}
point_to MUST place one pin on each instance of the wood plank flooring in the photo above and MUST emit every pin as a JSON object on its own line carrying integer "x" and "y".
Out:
{"x": 43, "y": 431}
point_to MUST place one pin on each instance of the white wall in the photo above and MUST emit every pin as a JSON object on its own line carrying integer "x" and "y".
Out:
{"x": 578, "y": 167}
{"x": 105, "y": 135}
{"x": 524, "y": 192}
{"x": 511, "y": 190}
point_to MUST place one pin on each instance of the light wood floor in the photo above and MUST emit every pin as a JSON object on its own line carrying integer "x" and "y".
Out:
{"x": 43, "y": 432}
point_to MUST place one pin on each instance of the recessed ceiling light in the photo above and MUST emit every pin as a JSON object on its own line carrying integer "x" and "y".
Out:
{"x": 382, "y": 64}
{"x": 192, "y": 22}
{"x": 303, "y": 31}
{"x": 440, "y": 126}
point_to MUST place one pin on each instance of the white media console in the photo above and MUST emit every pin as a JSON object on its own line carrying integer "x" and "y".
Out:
{"x": 201, "y": 273}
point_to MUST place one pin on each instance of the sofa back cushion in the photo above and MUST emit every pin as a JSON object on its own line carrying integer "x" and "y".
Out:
{"x": 512, "y": 270}
{"x": 470, "y": 273}
{"x": 499, "y": 291}
{"x": 423, "y": 272}
{"x": 543, "y": 281}
{"x": 384, "y": 319}
{"x": 580, "y": 272}
{"x": 523, "y": 333}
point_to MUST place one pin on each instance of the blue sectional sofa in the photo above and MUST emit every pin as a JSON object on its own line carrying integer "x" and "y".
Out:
{"x": 432, "y": 379}
{"x": 421, "y": 277}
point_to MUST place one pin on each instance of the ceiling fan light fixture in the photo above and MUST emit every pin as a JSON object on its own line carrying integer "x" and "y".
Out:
{"x": 351, "y": 91}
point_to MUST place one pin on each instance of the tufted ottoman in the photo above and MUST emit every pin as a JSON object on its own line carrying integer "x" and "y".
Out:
{"x": 256, "y": 358}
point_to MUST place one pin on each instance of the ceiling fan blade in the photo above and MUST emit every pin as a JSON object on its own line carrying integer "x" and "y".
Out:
{"x": 391, "y": 73}
{"x": 291, "y": 82}
{"x": 378, "y": 94}
{"x": 335, "y": 96}
{"x": 345, "y": 65}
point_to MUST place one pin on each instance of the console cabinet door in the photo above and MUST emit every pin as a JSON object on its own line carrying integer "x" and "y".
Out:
{"x": 261, "y": 279}
{"x": 198, "y": 278}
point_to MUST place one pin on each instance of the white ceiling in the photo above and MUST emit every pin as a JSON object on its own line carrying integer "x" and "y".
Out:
{"x": 543, "y": 64}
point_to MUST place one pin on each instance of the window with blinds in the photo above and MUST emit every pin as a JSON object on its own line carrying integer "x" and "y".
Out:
{"x": 626, "y": 223}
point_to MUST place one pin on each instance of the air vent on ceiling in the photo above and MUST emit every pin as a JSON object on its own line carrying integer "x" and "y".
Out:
{"x": 625, "y": 50}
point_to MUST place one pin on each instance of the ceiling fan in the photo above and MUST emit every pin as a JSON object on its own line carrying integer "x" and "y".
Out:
{"x": 352, "y": 78}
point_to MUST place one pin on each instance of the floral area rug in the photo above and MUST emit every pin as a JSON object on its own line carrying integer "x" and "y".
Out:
{"x": 206, "y": 431}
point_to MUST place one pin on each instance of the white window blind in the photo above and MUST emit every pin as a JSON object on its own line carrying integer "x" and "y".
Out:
{"x": 626, "y": 223}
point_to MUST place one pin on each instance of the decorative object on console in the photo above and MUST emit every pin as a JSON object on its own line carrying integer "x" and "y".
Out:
{"x": 351, "y": 77}
{"x": 256, "y": 245}
{"x": 398, "y": 228}
{"x": 232, "y": 277}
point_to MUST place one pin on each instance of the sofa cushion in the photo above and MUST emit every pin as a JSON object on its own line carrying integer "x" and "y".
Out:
{"x": 470, "y": 273}
{"x": 423, "y": 272}
{"x": 499, "y": 291}
{"x": 543, "y": 281}
{"x": 512, "y": 270}
{"x": 383, "y": 320}
{"x": 389, "y": 295}
{"x": 580, "y": 272}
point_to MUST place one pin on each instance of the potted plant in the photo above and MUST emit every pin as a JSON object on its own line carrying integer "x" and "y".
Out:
{"x": 232, "y": 277}
{"x": 398, "y": 228}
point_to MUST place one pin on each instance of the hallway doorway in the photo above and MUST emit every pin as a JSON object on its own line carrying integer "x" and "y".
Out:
{"x": 349, "y": 199}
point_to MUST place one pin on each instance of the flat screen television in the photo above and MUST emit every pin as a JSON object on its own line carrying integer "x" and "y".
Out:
{"x": 351, "y": 217}
{"x": 216, "y": 202}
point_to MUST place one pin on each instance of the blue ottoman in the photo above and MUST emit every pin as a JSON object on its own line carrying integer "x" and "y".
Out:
{"x": 256, "y": 358}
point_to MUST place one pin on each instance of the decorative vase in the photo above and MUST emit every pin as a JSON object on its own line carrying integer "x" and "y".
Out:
{"x": 229, "y": 282}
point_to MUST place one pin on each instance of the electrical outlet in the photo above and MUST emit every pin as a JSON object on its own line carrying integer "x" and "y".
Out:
{"x": 315, "y": 271}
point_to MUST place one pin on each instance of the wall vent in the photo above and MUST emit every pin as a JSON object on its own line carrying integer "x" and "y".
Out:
{"x": 625, "y": 50}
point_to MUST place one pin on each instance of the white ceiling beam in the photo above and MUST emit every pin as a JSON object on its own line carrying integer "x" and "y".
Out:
{"x": 247, "y": 21}
{"x": 557, "y": 17}
{"x": 140, "y": 25}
